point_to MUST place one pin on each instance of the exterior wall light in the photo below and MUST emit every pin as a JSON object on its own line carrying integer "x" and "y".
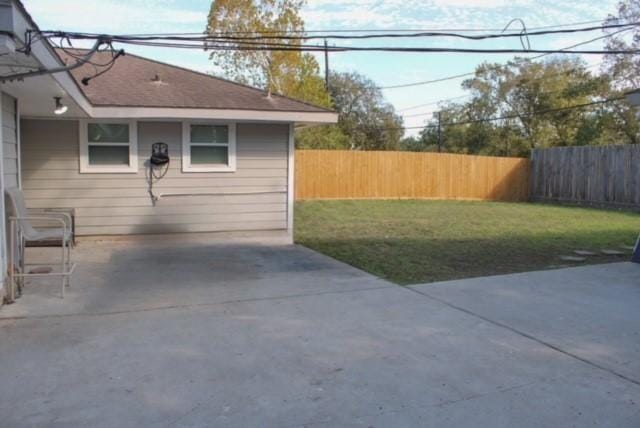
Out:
{"x": 60, "y": 108}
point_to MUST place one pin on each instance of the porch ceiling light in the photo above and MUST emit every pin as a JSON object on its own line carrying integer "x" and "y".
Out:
{"x": 60, "y": 108}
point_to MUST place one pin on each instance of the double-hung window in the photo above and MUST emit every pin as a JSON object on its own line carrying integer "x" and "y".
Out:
{"x": 208, "y": 147}
{"x": 108, "y": 146}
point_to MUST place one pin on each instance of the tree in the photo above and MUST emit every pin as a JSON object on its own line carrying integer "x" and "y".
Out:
{"x": 290, "y": 73}
{"x": 413, "y": 144}
{"x": 366, "y": 120}
{"x": 519, "y": 91}
{"x": 624, "y": 70}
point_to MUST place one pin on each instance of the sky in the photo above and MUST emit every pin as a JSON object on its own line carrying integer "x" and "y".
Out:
{"x": 386, "y": 69}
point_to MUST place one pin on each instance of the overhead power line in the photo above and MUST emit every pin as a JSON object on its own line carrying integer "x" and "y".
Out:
{"x": 258, "y": 36}
{"x": 80, "y": 60}
{"x": 553, "y": 75}
{"x": 512, "y": 116}
{"x": 373, "y": 30}
{"x": 265, "y": 46}
{"x": 433, "y": 103}
{"x": 266, "y": 43}
{"x": 275, "y": 42}
{"x": 472, "y": 73}
{"x": 428, "y": 82}
{"x": 338, "y": 49}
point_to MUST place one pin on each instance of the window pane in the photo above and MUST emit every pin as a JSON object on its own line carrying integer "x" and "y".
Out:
{"x": 210, "y": 134}
{"x": 209, "y": 155}
{"x": 108, "y": 133}
{"x": 108, "y": 155}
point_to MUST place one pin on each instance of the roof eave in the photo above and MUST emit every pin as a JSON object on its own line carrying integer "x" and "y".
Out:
{"x": 169, "y": 113}
{"x": 45, "y": 54}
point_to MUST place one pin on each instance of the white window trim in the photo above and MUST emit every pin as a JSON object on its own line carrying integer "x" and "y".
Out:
{"x": 86, "y": 168}
{"x": 186, "y": 148}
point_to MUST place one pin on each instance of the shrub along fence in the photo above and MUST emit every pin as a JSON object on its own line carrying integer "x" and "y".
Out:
{"x": 595, "y": 175}
{"x": 343, "y": 174}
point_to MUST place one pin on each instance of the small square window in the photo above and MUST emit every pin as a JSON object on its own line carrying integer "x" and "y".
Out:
{"x": 208, "y": 147}
{"x": 108, "y": 147}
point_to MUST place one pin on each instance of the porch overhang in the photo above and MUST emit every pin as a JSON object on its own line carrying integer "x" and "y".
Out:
{"x": 37, "y": 93}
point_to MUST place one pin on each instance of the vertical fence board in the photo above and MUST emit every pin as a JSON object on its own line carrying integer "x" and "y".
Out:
{"x": 598, "y": 175}
{"x": 341, "y": 174}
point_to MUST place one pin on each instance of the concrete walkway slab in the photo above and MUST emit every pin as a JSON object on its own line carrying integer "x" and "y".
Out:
{"x": 591, "y": 312}
{"x": 295, "y": 339}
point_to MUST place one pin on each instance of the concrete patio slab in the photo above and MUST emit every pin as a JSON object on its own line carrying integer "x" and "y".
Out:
{"x": 147, "y": 272}
{"x": 297, "y": 339}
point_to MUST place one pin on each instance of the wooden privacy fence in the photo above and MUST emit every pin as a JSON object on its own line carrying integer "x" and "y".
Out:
{"x": 341, "y": 174}
{"x": 598, "y": 175}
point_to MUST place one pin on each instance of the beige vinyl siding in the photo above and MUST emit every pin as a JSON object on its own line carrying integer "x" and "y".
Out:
{"x": 9, "y": 141}
{"x": 116, "y": 203}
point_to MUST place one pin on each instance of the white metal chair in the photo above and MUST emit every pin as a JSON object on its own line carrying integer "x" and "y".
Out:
{"x": 23, "y": 231}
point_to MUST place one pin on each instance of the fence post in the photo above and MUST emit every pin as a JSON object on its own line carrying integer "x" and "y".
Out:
{"x": 439, "y": 132}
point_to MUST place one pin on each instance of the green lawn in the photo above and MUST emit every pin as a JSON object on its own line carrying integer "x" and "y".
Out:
{"x": 410, "y": 241}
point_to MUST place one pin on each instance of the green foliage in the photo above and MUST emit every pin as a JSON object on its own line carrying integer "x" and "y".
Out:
{"x": 623, "y": 69}
{"x": 417, "y": 144}
{"x": 517, "y": 90}
{"x": 289, "y": 73}
{"x": 323, "y": 137}
{"x": 366, "y": 120}
{"x": 520, "y": 90}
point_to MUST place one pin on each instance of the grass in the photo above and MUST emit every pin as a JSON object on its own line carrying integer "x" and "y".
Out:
{"x": 411, "y": 241}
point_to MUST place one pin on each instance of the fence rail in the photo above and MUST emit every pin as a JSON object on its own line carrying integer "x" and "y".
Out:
{"x": 340, "y": 174}
{"x": 596, "y": 175}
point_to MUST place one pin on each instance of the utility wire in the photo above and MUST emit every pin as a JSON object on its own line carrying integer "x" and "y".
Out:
{"x": 472, "y": 73}
{"x": 369, "y": 30}
{"x": 305, "y": 37}
{"x": 517, "y": 61}
{"x": 429, "y": 82}
{"x": 469, "y": 95}
{"x": 432, "y": 103}
{"x": 511, "y": 116}
{"x": 337, "y": 49}
{"x": 66, "y": 68}
{"x": 258, "y": 35}
{"x": 262, "y": 42}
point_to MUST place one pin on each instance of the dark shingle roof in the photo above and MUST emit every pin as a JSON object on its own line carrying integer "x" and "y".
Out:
{"x": 134, "y": 81}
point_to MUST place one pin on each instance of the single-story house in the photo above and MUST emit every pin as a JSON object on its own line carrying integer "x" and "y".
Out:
{"x": 87, "y": 147}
